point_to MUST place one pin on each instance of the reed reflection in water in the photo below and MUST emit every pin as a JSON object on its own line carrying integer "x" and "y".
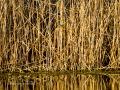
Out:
{"x": 60, "y": 82}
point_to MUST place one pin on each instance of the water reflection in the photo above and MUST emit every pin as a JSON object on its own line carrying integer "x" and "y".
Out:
{"x": 60, "y": 82}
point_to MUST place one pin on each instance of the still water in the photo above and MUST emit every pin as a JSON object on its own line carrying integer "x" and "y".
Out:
{"x": 60, "y": 82}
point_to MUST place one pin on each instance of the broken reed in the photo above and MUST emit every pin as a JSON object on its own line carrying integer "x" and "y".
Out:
{"x": 30, "y": 37}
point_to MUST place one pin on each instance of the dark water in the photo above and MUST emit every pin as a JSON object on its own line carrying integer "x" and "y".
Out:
{"x": 60, "y": 82}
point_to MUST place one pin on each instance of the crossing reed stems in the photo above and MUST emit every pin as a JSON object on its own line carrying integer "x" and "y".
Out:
{"x": 31, "y": 38}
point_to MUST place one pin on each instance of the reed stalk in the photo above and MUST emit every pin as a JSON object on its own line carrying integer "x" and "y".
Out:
{"x": 31, "y": 37}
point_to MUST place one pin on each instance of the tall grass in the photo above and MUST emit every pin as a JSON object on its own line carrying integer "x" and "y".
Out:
{"x": 31, "y": 39}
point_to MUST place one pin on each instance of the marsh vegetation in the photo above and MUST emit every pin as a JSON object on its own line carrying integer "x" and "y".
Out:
{"x": 32, "y": 41}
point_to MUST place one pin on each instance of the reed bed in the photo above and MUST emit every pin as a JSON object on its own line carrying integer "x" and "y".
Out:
{"x": 31, "y": 39}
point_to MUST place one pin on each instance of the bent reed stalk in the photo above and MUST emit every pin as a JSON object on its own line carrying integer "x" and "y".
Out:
{"x": 31, "y": 39}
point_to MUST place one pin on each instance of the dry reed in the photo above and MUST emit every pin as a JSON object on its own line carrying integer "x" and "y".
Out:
{"x": 31, "y": 39}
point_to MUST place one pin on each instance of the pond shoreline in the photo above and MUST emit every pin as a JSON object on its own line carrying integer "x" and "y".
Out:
{"x": 49, "y": 73}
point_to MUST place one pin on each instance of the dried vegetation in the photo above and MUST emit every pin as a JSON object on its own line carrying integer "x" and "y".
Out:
{"x": 31, "y": 39}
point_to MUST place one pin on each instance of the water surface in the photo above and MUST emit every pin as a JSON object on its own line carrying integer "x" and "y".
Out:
{"x": 71, "y": 81}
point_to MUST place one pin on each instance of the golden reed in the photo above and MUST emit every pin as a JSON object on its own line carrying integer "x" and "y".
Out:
{"x": 31, "y": 38}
